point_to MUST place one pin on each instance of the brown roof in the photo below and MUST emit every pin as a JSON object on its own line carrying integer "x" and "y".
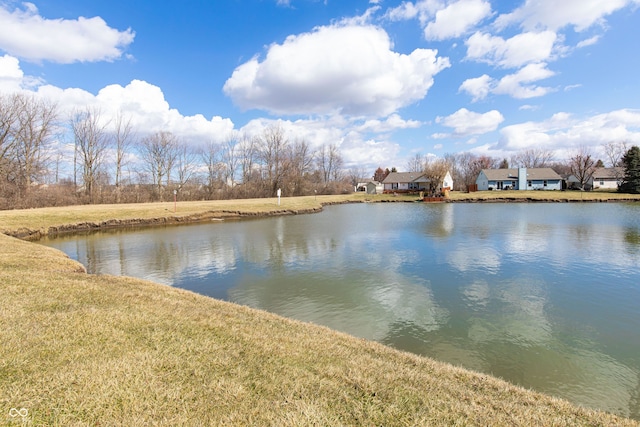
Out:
{"x": 512, "y": 174}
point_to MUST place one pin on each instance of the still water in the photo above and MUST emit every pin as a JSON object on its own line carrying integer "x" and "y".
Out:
{"x": 546, "y": 296}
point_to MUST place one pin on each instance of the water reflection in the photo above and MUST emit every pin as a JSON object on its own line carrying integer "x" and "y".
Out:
{"x": 543, "y": 295}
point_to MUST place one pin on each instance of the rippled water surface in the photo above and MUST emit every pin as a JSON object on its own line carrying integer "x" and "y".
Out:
{"x": 546, "y": 296}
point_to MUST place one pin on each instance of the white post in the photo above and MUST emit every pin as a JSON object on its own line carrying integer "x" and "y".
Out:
{"x": 279, "y": 193}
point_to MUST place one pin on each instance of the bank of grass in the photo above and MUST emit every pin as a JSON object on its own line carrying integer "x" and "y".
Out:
{"x": 80, "y": 349}
{"x": 35, "y": 223}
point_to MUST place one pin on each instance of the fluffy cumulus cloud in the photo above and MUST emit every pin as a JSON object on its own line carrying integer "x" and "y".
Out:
{"x": 563, "y": 130}
{"x": 554, "y": 15}
{"x": 11, "y": 74}
{"x": 519, "y": 85}
{"x": 456, "y": 19}
{"x": 340, "y": 69}
{"x": 466, "y": 123}
{"x": 513, "y": 52}
{"x": 143, "y": 102}
{"x": 27, "y": 35}
{"x": 390, "y": 124}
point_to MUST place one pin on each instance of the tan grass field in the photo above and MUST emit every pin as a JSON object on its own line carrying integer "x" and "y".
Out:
{"x": 80, "y": 349}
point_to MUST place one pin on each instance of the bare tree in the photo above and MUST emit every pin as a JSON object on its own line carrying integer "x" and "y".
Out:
{"x": 356, "y": 174}
{"x": 230, "y": 158}
{"x": 26, "y": 128}
{"x": 248, "y": 153}
{"x": 435, "y": 170}
{"x": 329, "y": 163}
{"x": 272, "y": 150}
{"x": 185, "y": 163}
{"x": 122, "y": 141}
{"x": 91, "y": 143}
{"x": 299, "y": 163}
{"x": 582, "y": 166}
{"x": 159, "y": 152}
{"x": 211, "y": 157}
{"x": 9, "y": 110}
{"x": 533, "y": 158}
{"x": 465, "y": 167}
{"x": 416, "y": 163}
{"x": 615, "y": 151}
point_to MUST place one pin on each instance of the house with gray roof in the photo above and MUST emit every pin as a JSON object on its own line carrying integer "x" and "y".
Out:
{"x": 607, "y": 178}
{"x": 519, "y": 179}
{"x": 412, "y": 182}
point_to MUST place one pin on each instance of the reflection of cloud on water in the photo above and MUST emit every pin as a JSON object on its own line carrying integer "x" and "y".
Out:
{"x": 514, "y": 338}
{"x": 362, "y": 303}
{"x": 477, "y": 293}
{"x": 528, "y": 240}
{"x": 473, "y": 256}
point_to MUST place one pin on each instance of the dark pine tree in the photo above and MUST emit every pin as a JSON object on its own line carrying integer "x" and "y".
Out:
{"x": 631, "y": 164}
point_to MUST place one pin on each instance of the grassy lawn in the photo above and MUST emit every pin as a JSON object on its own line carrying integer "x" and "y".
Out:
{"x": 80, "y": 349}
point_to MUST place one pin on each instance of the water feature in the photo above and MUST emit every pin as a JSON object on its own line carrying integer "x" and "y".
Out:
{"x": 543, "y": 295}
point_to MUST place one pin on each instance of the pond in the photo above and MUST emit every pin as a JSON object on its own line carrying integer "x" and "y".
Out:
{"x": 544, "y": 295}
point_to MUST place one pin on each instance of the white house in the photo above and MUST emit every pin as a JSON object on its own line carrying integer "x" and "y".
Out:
{"x": 519, "y": 179}
{"x": 413, "y": 181}
{"x": 370, "y": 187}
{"x": 607, "y": 178}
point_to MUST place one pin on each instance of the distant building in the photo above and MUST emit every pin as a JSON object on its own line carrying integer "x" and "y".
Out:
{"x": 519, "y": 179}
{"x": 406, "y": 182}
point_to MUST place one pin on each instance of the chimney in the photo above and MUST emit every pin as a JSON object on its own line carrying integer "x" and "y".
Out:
{"x": 522, "y": 178}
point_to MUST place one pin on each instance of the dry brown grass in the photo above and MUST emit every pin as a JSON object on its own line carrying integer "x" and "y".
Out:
{"x": 79, "y": 349}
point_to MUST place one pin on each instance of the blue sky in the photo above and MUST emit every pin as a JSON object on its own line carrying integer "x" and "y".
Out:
{"x": 382, "y": 79}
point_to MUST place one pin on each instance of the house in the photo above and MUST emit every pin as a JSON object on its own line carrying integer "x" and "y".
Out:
{"x": 607, "y": 178}
{"x": 519, "y": 179}
{"x": 370, "y": 187}
{"x": 412, "y": 182}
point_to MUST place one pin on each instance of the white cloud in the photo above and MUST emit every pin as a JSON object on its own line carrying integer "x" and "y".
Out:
{"x": 350, "y": 70}
{"x": 588, "y": 42}
{"x": 478, "y": 87}
{"x": 11, "y": 74}
{"x": 513, "y": 52}
{"x": 391, "y": 123}
{"x": 519, "y": 85}
{"x": 456, "y": 19}
{"x": 423, "y": 10}
{"x": 27, "y": 35}
{"x": 466, "y": 123}
{"x": 554, "y": 14}
{"x": 565, "y": 133}
{"x": 143, "y": 102}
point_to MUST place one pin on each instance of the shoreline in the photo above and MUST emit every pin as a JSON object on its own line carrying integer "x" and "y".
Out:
{"x": 344, "y": 379}
{"x": 117, "y": 221}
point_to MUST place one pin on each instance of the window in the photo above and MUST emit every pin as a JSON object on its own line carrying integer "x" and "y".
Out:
{"x": 394, "y": 186}
{"x": 413, "y": 186}
{"x": 545, "y": 183}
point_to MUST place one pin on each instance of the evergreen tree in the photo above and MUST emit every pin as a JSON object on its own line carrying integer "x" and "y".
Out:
{"x": 631, "y": 164}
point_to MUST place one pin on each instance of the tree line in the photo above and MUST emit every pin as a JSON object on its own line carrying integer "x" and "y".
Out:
{"x": 85, "y": 157}
{"x": 51, "y": 159}
{"x": 581, "y": 164}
